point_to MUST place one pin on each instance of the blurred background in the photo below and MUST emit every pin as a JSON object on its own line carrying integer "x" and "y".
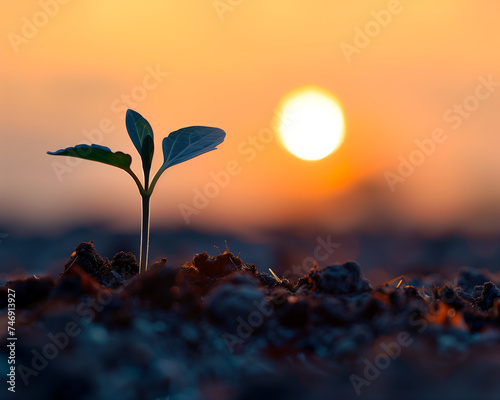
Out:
{"x": 401, "y": 71}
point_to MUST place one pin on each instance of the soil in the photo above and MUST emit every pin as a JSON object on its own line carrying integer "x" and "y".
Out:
{"x": 217, "y": 328}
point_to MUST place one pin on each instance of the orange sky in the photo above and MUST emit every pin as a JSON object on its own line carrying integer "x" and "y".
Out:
{"x": 69, "y": 68}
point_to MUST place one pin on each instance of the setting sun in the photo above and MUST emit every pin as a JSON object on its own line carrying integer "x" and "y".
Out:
{"x": 314, "y": 126}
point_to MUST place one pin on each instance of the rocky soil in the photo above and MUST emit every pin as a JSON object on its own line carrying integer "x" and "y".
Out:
{"x": 217, "y": 328}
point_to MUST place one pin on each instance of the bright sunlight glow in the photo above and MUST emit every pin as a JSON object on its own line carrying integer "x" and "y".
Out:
{"x": 313, "y": 124}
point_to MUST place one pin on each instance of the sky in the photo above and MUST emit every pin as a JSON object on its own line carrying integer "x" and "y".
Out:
{"x": 418, "y": 82}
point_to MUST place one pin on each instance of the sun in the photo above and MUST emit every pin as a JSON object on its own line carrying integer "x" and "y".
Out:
{"x": 312, "y": 126}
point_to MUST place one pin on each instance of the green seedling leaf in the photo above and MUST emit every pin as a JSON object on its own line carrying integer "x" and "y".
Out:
{"x": 141, "y": 134}
{"x": 96, "y": 153}
{"x": 187, "y": 143}
{"x": 138, "y": 128}
{"x": 101, "y": 154}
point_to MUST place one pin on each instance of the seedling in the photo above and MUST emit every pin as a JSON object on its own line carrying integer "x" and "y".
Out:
{"x": 178, "y": 146}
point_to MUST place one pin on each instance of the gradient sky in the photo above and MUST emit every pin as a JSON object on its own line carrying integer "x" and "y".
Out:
{"x": 229, "y": 67}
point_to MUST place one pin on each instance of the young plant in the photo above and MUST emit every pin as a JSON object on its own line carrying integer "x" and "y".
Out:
{"x": 178, "y": 146}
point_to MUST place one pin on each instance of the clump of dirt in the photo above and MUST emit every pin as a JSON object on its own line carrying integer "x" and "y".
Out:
{"x": 110, "y": 274}
{"x": 30, "y": 291}
{"x": 337, "y": 279}
{"x": 469, "y": 278}
{"x": 217, "y": 328}
{"x": 125, "y": 264}
{"x": 485, "y": 296}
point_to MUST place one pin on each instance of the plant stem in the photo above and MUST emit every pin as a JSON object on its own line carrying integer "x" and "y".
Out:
{"x": 144, "y": 233}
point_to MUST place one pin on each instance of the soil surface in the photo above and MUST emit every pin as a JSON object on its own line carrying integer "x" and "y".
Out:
{"x": 217, "y": 328}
